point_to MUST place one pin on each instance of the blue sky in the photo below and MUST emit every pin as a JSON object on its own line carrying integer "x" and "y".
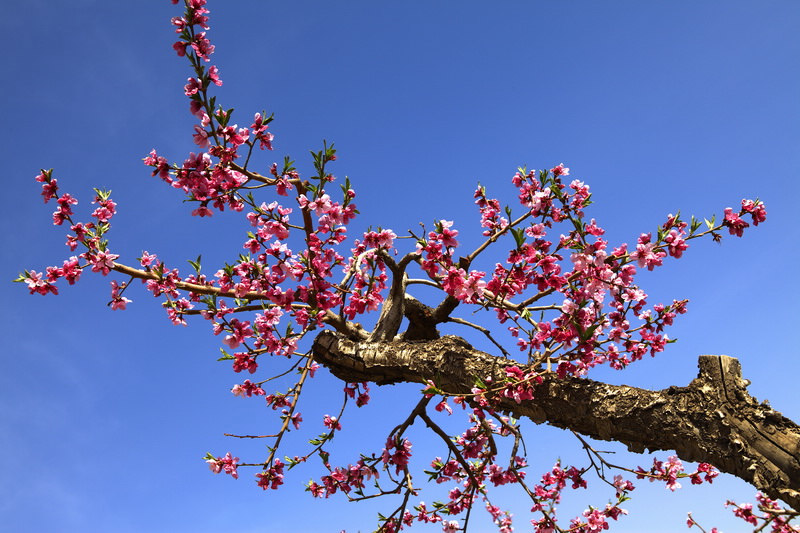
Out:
{"x": 105, "y": 416}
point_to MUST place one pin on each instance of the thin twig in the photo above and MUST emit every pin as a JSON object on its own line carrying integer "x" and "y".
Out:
{"x": 483, "y": 330}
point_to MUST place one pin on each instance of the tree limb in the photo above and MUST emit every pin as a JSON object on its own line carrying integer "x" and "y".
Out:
{"x": 712, "y": 420}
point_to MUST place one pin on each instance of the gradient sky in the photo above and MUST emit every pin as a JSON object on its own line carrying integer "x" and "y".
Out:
{"x": 661, "y": 106}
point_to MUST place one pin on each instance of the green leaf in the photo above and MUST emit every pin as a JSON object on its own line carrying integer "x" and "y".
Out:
{"x": 587, "y": 334}
{"x": 196, "y": 264}
{"x": 519, "y": 236}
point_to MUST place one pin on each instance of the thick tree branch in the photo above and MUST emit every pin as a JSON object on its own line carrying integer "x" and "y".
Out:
{"x": 712, "y": 420}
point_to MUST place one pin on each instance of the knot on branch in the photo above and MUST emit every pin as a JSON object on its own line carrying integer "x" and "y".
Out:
{"x": 421, "y": 320}
{"x": 723, "y": 374}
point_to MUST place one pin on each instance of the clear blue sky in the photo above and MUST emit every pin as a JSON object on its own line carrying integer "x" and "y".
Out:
{"x": 105, "y": 416}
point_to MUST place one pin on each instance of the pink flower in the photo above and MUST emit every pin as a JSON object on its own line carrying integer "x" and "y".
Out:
{"x": 677, "y": 245}
{"x": 117, "y": 300}
{"x": 756, "y": 210}
{"x": 180, "y": 46}
{"x": 331, "y": 423}
{"x": 71, "y": 270}
{"x": 202, "y": 46}
{"x": 560, "y": 170}
{"x": 192, "y": 87}
{"x": 227, "y": 464}
{"x": 273, "y": 477}
{"x": 442, "y": 406}
{"x": 147, "y": 259}
{"x": 400, "y": 456}
{"x": 105, "y": 211}
{"x": 102, "y": 261}
{"x": 200, "y": 136}
{"x": 451, "y": 526}
{"x": 247, "y": 389}
{"x": 734, "y": 223}
{"x": 296, "y": 419}
{"x": 49, "y": 188}
{"x": 645, "y": 254}
{"x": 622, "y": 485}
{"x": 213, "y": 75}
{"x": 38, "y": 285}
{"x": 448, "y": 236}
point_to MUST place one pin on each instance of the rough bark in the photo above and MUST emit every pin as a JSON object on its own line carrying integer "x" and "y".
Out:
{"x": 712, "y": 420}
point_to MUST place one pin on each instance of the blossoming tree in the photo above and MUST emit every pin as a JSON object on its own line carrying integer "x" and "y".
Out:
{"x": 554, "y": 299}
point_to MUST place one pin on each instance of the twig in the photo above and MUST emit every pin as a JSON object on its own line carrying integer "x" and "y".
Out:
{"x": 482, "y": 330}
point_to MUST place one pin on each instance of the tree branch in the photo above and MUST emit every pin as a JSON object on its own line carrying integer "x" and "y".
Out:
{"x": 712, "y": 420}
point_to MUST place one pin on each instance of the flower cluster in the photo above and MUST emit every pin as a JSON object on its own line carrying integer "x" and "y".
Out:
{"x": 227, "y": 464}
{"x": 767, "y": 513}
{"x": 344, "y": 479}
{"x": 672, "y": 469}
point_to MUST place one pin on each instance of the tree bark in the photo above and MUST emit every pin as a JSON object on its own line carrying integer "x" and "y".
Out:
{"x": 712, "y": 420}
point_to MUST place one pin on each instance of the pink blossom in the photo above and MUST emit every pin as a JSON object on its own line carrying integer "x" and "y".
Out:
{"x": 734, "y": 223}
{"x": 451, "y": 526}
{"x": 272, "y": 478}
{"x": 247, "y": 389}
{"x": 202, "y": 46}
{"x": 448, "y": 236}
{"x": 102, "y": 261}
{"x": 677, "y": 244}
{"x": 49, "y": 188}
{"x": 227, "y": 464}
{"x": 192, "y": 87}
{"x": 296, "y": 419}
{"x": 560, "y": 170}
{"x": 213, "y": 75}
{"x": 622, "y": 485}
{"x": 331, "y": 422}
{"x": 38, "y": 285}
{"x": 645, "y": 253}
{"x": 201, "y": 136}
{"x": 401, "y": 454}
{"x": 202, "y": 211}
{"x": 442, "y": 406}
{"x": 159, "y": 164}
{"x": 106, "y": 209}
{"x": 71, "y": 270}
{"x": 147, "y": 259}
{"x": 756, "y": 209}
{"x": 117, "y": 300}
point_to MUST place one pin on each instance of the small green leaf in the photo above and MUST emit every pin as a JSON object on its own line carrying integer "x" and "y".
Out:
{"x": 519, "y": 236}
